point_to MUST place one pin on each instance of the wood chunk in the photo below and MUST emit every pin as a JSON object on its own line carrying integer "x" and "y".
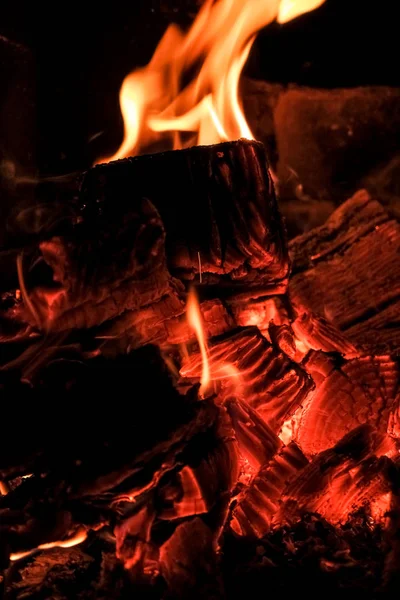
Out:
{"x": 52, "y": 571}
{"x": 257, "y": 441}
{"x": 348, "y": 272}
{"x": 99, "y": 274}
{"x": 188, "y": 562}
{"x": 164, "y": 323}
{"x": 253, "y": 514}
{"x": 204, "y": 483}
{"x": 272, "y": 385}
{"x": 259, "y": 313}
{"x": 282, "y": 336}
{"x": 337, "y": 480}
{"x": 218, "y": 207}
{"x": 318, "y": 334}
{"x": 348, "y": 393}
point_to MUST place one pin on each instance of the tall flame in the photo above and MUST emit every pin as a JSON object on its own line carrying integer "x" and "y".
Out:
{"x": 188, "y": 93}
{"x": 195, "y": 322}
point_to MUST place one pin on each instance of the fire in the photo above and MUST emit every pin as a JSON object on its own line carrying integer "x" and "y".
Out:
{"x": 195, "y": 321}
{"x": 188, "y": 93}
{"x": 76, "y": 539}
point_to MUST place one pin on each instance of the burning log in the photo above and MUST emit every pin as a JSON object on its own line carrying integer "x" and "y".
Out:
{"x": 260, "y": 502}
{"x": 164, "y": 323}
{"x": 348, "y": 393}
{"x": 338, "y": 481}
{"x": 272, "y": 385}
{"x": 318, "y": 334}
{"x": 259, "y": 313}
{"x": 100, "y": 273}
{"x": 218, "y": 207}
{"x": 347, "y": 271}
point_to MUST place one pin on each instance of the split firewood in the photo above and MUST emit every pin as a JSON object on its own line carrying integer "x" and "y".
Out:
{"x": 316, "y": 333}
{"x": 339, "y": 481}
{"x": 164, "y": 324}
{"x": 348, "y": 393}
{"x": 98, "y": 274}
{"x": 200, "y": 492}
{"x": 218, "y": 208}
{"x": 348, "y": 272}
{"x": 271, "y": 384}
{"x": 253, "y": 514}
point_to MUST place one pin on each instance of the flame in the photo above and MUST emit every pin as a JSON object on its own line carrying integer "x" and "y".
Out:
{"x": 195, "y": 322}
{"x": 188, "y": 93}
{"x": 76, "y": 539}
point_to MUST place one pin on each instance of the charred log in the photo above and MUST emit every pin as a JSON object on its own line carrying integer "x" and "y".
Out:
{"x": 270, "y": 382}
{"x": 218, "y": 207}
{"x": 348, "y": 272}
{"x": 348, "y": 393}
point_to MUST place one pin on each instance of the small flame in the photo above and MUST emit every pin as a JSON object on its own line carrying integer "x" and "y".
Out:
{"x": 188, "y": 93}
{"x": 195, "y": 322}
{"x": 76, "y": 539}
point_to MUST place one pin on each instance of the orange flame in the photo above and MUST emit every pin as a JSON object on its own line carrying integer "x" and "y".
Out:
{"x": 76, "y": 539}
{"x": 195, "y": 322}
{"x": 188, "y": 93}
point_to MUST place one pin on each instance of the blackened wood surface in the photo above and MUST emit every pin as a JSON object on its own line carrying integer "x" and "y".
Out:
{"x": 348, "y": 271}
{"x": 218, "y": 207}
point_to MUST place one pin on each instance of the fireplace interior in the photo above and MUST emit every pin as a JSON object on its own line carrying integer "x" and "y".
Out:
{"x": 200, "y": 300}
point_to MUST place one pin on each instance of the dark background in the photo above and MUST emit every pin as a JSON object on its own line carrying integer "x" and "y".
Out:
{"x": 62, "y": 64}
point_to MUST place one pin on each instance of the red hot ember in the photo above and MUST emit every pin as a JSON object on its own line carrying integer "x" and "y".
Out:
{"x": 236, "y": 411}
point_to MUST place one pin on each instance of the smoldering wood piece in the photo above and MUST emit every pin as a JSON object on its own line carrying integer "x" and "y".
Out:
{"x": 259, "y": 313}
{"x": 189, "y": 563}
{"x": 253, "y": 514}
{"x": 129, "y": 402}
{"x": 258, "y": 443}
{"x": 348, "y": 272}
{"x": 98, "y": 273}
{"x": 348, "y": 393}
{"x": 282, "y": 336}
{"x": 47, "y": 509}
{"x": 206, "y": 482}
{"x": 53, "y": 573}
{"x": 317, "y": 333}
{"x": 391, "y": 573}
{"x": 164, "y": 323}
{"x": 271, "y": 384}
{"x": 218, "y": 207}
{"x": 339, "y": 481}
{"x": 201, "y": 484}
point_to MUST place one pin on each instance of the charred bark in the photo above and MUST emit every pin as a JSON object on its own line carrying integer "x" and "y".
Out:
{"x": 218, "y": 207}
{"x": 348, "y": 272}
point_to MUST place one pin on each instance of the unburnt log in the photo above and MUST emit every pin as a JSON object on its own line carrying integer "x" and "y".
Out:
{"x": 218, "y": 207}
{"x": 348, "y": 272}
{"x": 348, "y": 393}
{"x": 270, "y": 382}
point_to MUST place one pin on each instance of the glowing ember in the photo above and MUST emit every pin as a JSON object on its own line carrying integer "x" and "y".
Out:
{"x": 195, "y": 322}
{"x": 157, "y": 102}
